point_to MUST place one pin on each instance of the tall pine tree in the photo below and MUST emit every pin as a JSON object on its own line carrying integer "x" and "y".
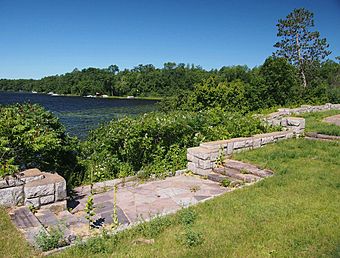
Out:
{"x": 301, "y": 46}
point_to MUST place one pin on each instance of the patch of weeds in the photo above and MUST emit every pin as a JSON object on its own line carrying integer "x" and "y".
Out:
{"x": 194, "y": 188}
{"x": 221, "y": 157}
{"x": 189, "y": 173}
{"x": 50, "y": 240}
{"x": 97, "y": 245}
{"x": 154, "y": 227}
{"x": 225, "y": 182}
{"x": 32, "y": 209}
{"x": 191, "y": 238}
{"x": 187, "y": 216}
{"x": 244, "y": 171}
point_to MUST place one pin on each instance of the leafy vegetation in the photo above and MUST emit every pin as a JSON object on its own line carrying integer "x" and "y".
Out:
{"x": 52, "y": 239}
{"x": 156, "y": 143}
{"x": 32, "y": 137}
{"x": 315, "y": 123}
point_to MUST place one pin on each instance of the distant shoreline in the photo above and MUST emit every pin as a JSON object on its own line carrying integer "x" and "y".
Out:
{"x": 95, "y": 97}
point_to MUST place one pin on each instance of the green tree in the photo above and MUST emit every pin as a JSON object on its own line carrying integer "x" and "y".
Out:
{"x": 299, "y": 44}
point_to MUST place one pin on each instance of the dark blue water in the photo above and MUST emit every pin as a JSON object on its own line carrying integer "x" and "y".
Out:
{"x": 79, "y": 114}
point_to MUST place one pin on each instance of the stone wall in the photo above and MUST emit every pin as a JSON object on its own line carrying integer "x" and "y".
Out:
{"x": 32, "y": 187}
{"x": 201, "y": 160}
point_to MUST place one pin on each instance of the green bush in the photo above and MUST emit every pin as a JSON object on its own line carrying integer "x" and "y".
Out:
{"x": 51, "y": 240}
{"x": 156, "y": 143}
{"x": 32, "y": 137}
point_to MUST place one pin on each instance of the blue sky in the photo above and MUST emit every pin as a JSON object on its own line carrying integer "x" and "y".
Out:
{"x": 41, "y": 37}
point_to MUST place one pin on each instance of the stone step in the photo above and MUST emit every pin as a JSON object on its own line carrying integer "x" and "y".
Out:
{"x": 236, "y": 174}
{"x": 24, "y": 219}
{"x": 217, "y": 177}
{"x": 246, "y": 168}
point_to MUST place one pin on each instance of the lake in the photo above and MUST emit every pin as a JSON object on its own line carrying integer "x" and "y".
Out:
{"x": 80, "y": 114}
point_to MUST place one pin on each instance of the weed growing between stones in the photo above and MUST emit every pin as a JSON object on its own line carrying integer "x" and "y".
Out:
{"x": 89, "y": 209}
{"x": 225, "y": 182}
{"x": 221, "y": 157}
{"x": 50, "y": 240}
{"x": 115, "y": 222}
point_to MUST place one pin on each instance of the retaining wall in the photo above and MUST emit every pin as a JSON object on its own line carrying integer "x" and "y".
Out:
{"x": 201, "y": 160}
{"x": 32, "y": 187}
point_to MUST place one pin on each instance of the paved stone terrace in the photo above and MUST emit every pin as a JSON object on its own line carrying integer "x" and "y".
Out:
{"x": 135, "y": 202}
{"x": 333, "y": 120}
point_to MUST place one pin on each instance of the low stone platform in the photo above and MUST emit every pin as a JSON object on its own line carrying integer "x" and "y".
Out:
{"x": 333, "y": 120}
{"x": 135, "y": 202}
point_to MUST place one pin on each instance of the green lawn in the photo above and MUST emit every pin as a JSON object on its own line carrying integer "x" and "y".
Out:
{"x": 295, "y": 213}
{"x": 12, "y": 243}
{"x": 314, "y": 122}
{"x": 292, "y": 214}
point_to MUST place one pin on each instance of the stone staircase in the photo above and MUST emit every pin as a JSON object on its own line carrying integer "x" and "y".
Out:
{"x": 238, "y": 172}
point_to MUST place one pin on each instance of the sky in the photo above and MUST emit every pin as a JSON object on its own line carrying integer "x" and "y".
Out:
{"x": 40, "y": 37}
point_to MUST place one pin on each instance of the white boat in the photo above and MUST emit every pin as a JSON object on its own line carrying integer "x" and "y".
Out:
{"x": 34, "y": 91}
{"x": 54, "y": 94}
{"x": 105, "y": 96}
{"x": 130, "y": 97}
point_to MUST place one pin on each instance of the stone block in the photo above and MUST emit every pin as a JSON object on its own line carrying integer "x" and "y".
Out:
{"x": 56, "y": 207}
{"x": 10, "y": 181}
{"x": 256, "y": 143}
{"x": 230, "y": 148}
{"x": 33, "y": 189}
{"x": 30, "y": 175}
{"x": 214, "y": 155}
{"x": 35, "y": 202}
{"x": 199, "y": 152}
{"x": 238, "y": 144}
{"x": 11, "y": 196}
{"x": 204, "y": 164}
{"x": 60, "y": 190}
{"x": 191, "y": 166}
{"x": 46, "y": 199}
{"x": 267, "y": 139}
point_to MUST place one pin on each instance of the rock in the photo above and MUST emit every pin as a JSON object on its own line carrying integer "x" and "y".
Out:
{"x": 46, "y": 199}
{"x": 35, "y": 202}
{"x": 10, "y": 181}
{"x": 38, "y": 188}
{"x": 12, "y": 196}
{"x": 30, "y": 175}
{"x": 60, "y": 190}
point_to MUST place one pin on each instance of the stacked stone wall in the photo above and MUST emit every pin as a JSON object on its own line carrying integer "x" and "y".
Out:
{"x": 32, "y": 187}
{"x": 201, "y": 159}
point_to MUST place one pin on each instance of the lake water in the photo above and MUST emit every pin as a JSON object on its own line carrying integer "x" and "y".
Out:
{"x": 80, "y": 114}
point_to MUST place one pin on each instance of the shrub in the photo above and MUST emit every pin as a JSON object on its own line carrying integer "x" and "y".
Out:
{"x": 30, "y": 137}
{"x": 156, "y": 142}
{"x": 50, "y": 240}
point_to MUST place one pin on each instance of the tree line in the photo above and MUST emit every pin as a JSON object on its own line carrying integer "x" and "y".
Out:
{"x": 298, "y": 71}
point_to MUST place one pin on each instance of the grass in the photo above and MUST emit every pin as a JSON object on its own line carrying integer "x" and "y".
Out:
{"x": 292, "y": 214}
{"x": 314, "y": 122}
{"x": 12, "y": 243}
{"x": 295, "y": 213}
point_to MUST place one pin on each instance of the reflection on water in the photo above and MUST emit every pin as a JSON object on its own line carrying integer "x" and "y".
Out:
{"x": 78, "y": 114}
